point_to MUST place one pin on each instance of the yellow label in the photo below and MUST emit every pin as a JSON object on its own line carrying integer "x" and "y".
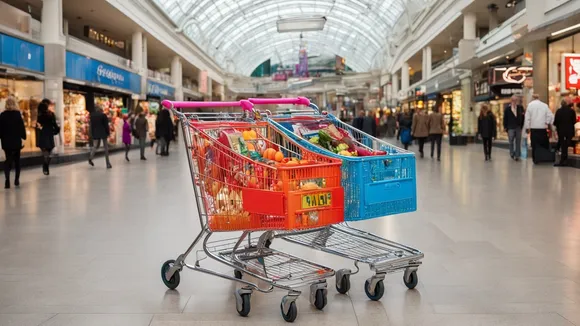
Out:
{"x": 316, "y": 200}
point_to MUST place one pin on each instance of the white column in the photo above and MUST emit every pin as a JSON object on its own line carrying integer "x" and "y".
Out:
{"x": 177, "y": 77}
{"x": 405, "y": 76}
{"x": 389, "y": 93}
{"x": 467, "y": 115}
{"x": 395, "y": 87}
{"x": 469, "y": 26}
{"x": 137, "y": 49}
{"x": 493, "y": 18}
{"x": 423, "y": 64}
{"x": 429, "y": 62}
{"x": 144, "y": 53}
{"x": 54, "y": 57}
{"x": 220, "y": 91}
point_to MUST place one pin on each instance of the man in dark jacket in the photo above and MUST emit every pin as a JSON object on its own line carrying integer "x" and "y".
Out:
{"x": 564, "y": 122}
{"x": 513, "y": 122}
{"x": 359, "y": 120}
{"x": 100, "y": 132}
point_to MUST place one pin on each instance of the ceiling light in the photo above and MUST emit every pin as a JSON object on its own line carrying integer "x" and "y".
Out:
{"x": 444, "y": 51}
{"x": 567, "y": 29}
{"x": 300, "y": 24}
{"x": 491, "y": 60}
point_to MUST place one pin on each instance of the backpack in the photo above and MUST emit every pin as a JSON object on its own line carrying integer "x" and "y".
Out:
{"x": 406, "y": 136}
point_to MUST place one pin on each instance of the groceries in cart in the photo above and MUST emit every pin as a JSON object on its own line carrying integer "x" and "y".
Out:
{"x": 324, "y": 134}
{"x": 254, "y": 177}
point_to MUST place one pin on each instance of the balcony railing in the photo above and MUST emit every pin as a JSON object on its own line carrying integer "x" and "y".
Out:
{"x": 81, "y": 47}
{"x": 159, "y": 76}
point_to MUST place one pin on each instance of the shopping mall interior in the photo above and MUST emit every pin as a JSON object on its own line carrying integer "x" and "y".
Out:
{"x": 233, "y": 190}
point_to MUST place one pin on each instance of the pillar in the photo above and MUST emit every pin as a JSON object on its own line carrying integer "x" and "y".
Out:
{"x": 137, "y": 49}
{"x": 177, "y": 77}
{"x": 539, "y": 50}
{"x": 210, "y": 88}
{"x": 426, "y": 62}
{"x": 429, "y": 63}
{"x": 468, "y": 116}
{"x": 469, "y": 26}
{"x": 220, "y": 91}
{"x": 54, "y": 58}
{"x": 395, "y": 88}
{"x": 493, "y": 18}
{"x": 405, "y": 76}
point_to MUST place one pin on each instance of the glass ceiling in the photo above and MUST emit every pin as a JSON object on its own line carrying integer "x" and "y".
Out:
{"x": 241, "y": 34}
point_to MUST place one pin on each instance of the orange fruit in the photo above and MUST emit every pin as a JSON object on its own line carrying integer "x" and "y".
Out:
{"x": 270, "y": 154}
{"x": 246, "y": 134}
{"x": 252, "y": 134}
{"x": 292, "y": 163}
{"x": 304, "y": 162}
{"x": 250, "y": 146}
{"x": 278, "y": 157}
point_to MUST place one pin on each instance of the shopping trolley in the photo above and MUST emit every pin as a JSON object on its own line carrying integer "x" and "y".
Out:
{"x": 387, "y": 180}
{"x": 236, "y": 189}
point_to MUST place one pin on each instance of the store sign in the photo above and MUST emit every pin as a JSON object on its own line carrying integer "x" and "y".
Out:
{"x": 21, "y": 54}
{"x": 159, "y": 90}
{"x": 511, "y": 75}
{"x": 86, "y": 69}
{"x": 481, "y": 88}
{"x": 506, "y": 90}
{"x": 571, "y": 70}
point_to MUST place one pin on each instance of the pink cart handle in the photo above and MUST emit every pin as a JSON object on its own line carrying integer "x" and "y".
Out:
{"x": 244, "y": 104}
{"x": 294, "y": 100}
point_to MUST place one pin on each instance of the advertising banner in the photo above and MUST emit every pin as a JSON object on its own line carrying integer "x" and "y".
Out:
{"x": 21, "y": 54}
{"x": 86, "y": 69}
{"x": 570, "y": 71}
{"x": 160, "y": 90}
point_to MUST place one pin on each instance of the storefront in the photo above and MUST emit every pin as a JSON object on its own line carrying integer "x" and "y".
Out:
{"x": 156, "y": 92}
{"x": 91, "y": 84}
{"x": 415, "y": 100}
{"x": 563, "y": 69}
{"x": 444, "y": 92}
{"x": 496, "y": 92}
{"x": 21, "y": 76}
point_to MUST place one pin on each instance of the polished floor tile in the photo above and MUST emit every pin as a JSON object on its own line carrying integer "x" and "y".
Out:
{"x": 85, "y": 245}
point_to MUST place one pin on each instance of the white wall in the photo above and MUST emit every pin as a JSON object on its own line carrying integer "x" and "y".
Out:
{"x": 546, "y": 12}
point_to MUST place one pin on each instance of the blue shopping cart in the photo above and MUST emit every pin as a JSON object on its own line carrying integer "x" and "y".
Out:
{"x": 374, "y": 186}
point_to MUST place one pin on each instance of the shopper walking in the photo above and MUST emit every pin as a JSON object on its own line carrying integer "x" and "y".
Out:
{"x": 513, "y": 122}
{"x": 141, "y": 129}
{"x": 436, "y": 129}
{"x": 370, "y": 124}
{"x": 100, "y": 132}
{"x": 126, "y": 136}
{"x": 405, "y": 126}
{"x": 564, "y": 122}
{"x": 538, "y": 118}
{"x": 391, "y": 125}
{"x": 164, "y": 131}
{"x": 420, "y": 129}
{"x": 359, "y": 120}
{"x": 12, "y": 132}
{"x": 46, "y": 128}
{"x": 487, "y": 129}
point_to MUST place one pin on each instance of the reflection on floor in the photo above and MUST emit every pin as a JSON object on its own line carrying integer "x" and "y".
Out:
{"x": 84, "y": 247}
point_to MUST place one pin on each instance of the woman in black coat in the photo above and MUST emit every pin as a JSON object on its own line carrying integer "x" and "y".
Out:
{"x": 163, "y": 131}
{"x": 12, "y": 132}
{"x": 487, "y": 128}
{"x": 47, "y": 128}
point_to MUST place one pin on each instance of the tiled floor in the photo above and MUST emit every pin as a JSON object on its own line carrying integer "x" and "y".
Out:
{"x": 84, "y": 247}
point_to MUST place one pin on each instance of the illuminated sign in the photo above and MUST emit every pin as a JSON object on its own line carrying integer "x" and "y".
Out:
{"x": 511, "y": 75}
{"x": 571, "y": 70}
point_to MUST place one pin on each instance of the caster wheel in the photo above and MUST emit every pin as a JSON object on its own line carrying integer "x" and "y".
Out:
{"x": 413, "y": 280}
{"x": 321, "y": 300}
{"x": 379, "y": 290}
{"x": 238, "y": 274}
{"x": 292, "y": 312}
{"x": 344, "y": 283}
{"x": 245, "y": 305}
{"x": 174, "y": 281}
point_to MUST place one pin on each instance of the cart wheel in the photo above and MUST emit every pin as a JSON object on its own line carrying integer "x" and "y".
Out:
{"x": 292, "y": 312}
{"x": 344, "y": 283}
{"x": 321, "y": 300}
{"x": 413, "y": 280}
{"x": 174, "y": 281}
{"x": 245, "y": 305}
{"x": 379, "y": 290}
{"x": 238, "y": 274}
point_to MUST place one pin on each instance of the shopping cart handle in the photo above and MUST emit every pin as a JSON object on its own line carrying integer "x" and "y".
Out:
{"x": 244, "y": 104}
{"x": 292, "y": 100}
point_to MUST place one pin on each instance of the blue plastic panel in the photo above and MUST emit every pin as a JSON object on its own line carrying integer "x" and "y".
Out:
{"x": 374, "y": 186}
{"x": 21, "y": 54}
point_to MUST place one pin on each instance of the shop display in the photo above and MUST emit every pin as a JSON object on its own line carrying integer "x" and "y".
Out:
{"x": 28, "y": 95}
{"x": 112, "y": 106}
{"x": 76, "y": 120}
